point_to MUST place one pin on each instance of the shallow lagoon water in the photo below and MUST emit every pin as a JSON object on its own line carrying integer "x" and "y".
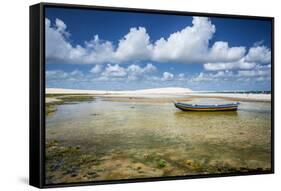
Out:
{"x": 139, "y": 140}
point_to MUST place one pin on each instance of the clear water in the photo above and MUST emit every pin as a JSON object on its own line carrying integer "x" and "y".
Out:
{"x": 128, "y": 133}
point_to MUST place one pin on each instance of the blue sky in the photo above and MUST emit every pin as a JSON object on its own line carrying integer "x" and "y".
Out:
{"x": 88, "y": 49}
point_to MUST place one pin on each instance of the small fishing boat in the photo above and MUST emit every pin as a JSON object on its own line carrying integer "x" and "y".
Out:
{"x": 215, "y": 107}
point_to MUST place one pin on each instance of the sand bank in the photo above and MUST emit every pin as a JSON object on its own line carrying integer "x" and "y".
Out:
{"x": 171, "y": 93}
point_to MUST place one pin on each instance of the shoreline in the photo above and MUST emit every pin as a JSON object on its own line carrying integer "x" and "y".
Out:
{"x": 157, "y": 95}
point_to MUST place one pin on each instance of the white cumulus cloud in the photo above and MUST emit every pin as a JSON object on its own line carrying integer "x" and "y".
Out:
{"x": 61, "y": 26}
{"x": 134, "y": 46}
{"x": 259, "y": 54}
{"x": 254, "y": 73}
{"x": 209, "y": 77}
{"x": 241, "y": 64}
{"x": 132, "y": 72}
{"x": 167, "y": 76}
{"x": 188, "y": 45}
{"x": 135, "y": 71}
{"x": 58, "y": 47}
{"x": 222, "y": 52}
{"x": 96, "y": 69}
{"x": 114, "y": 71}
{"x": 256, "y": 56}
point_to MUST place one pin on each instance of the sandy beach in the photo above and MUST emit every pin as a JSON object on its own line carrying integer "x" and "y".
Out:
{"x": 164, "y": 94}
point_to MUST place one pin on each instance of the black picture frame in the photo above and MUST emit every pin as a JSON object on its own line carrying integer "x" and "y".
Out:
{"x": 37, "y": 93}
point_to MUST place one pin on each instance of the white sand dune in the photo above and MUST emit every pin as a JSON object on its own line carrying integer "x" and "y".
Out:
{"x": 162, "y": 93}
{"x": 237, "y": 96}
